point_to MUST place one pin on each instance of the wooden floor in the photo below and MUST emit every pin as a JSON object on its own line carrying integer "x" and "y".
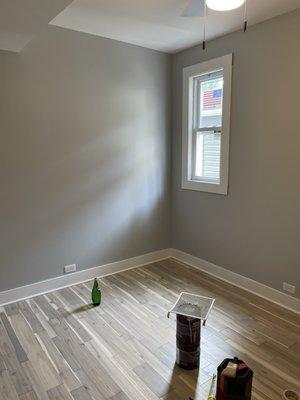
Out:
{"x": 56, "y": 346}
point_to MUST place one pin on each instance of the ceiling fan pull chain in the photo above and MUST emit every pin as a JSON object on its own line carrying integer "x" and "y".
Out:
{"x": 204, "y": 28}
{"x": 245, "y": 16}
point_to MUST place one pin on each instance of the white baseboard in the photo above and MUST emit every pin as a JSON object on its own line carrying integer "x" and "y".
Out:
{"x": 261, "y": 290}
{"x": 49, "y": 285}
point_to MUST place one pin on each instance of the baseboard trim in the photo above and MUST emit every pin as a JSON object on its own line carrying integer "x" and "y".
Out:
{"x": 259, "y": 289}
{"x": 60, "y": 282}
{"x": 50, "y": 285}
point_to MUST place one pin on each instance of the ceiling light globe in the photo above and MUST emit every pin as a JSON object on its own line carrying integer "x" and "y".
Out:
{"x": 224, "y": 5}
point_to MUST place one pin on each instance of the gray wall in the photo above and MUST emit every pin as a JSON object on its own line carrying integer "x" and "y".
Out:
{"x": 84, "y": 158}
{"x": 255, "y": 230}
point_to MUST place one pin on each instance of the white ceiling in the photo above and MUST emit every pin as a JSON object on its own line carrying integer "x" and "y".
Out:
{"x": 157, "y": 24}
{"x": 21, "y": 20}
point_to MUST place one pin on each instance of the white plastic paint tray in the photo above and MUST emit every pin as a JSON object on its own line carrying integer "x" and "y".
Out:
{"x": 193, "y": 305}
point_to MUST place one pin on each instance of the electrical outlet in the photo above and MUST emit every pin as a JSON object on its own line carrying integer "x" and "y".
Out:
{"x": 289, "y": 288}
{"x": 69, "y": 268}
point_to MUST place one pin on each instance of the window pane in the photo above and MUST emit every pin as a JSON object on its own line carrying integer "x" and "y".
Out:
{"x": 207, "y": 153}
{"x": 207, "y": 156}
{"x": 211, "y": 98}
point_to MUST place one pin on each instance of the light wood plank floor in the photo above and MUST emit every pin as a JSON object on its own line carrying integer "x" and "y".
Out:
{"x": 58, "y": 347}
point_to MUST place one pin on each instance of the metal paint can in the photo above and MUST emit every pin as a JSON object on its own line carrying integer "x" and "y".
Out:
{"x": 188, "y": 342}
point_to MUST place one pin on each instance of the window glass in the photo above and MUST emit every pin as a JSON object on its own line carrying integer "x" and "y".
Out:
{"x": 210, "y": 92}
{"x": 208, "y": 151}
{"x": 208, "y": 108}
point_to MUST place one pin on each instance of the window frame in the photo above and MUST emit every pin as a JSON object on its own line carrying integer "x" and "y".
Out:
{"x": 189, "y": 73}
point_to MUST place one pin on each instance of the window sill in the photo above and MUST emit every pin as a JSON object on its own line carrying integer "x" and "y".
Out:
{"x": 217, "y": 188}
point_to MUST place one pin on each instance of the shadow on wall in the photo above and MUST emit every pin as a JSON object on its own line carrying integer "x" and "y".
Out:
{"x": 97, "y": 196}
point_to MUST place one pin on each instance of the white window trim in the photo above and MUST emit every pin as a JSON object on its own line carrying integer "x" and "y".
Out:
{"x": 189, "y": 73}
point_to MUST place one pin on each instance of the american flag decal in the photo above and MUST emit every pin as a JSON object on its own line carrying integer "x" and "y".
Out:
{"x": 212, "y": 99}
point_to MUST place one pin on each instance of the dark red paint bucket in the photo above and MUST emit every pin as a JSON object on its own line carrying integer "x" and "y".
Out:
{"x": 238, "y": 388}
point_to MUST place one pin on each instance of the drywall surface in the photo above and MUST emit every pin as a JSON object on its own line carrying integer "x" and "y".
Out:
{"x": 84, "y": 163}
{"x": 255, "y": 230}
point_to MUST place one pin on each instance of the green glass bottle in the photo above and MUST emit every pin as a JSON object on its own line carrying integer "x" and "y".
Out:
{"x": 96, "y": 293}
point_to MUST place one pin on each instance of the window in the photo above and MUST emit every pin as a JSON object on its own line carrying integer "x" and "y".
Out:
{"x": 206, "y": 118}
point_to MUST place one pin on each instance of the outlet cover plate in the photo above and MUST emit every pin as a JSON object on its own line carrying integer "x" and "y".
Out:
{"x": 289, "y": 288}
{"x": 69, "y": 268}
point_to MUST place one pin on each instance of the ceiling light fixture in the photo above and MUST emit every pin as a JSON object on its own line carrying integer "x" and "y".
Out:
{"x": 198, "y": 8}
{"x": 224, "y": 5}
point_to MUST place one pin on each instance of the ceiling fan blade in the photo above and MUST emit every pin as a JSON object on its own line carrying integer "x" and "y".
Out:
{"x": 195, "y": 8}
